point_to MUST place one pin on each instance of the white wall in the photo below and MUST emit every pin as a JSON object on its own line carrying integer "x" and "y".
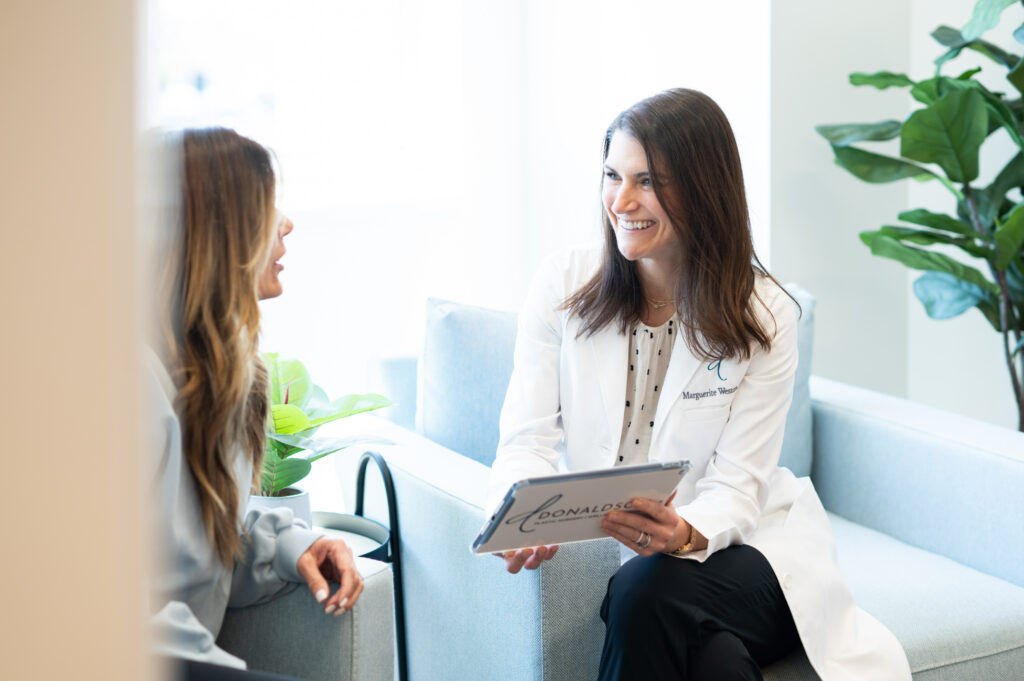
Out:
{"x": 958, "y": 364}
{"x": 70, "y": 579}
{"x": 817, "y": 208}
{"x": 443, "y": 147}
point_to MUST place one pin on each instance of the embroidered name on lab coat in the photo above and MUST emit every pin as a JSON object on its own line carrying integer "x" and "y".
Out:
{"x": 714, "y": 392}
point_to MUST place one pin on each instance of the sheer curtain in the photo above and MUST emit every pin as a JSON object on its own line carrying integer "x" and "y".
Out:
{"x": 439, "y": 148}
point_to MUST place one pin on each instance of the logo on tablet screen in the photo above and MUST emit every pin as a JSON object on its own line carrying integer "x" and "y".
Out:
{"x": 543, "y": 514}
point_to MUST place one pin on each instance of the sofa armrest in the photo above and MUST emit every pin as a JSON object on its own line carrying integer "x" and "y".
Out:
{"x": 466, "y": 617}
{"x": 291, "y": 634}
{"x": 943, "y": 482}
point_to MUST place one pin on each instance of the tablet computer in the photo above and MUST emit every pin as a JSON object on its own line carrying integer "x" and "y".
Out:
{"x": 559, "y": 509}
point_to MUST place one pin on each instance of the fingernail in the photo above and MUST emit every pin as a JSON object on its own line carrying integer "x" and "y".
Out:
{"x": 330, "y": 608}
{"x": 339, "y": 613}
{"x": 321, "y": 595}
{"x": 344, "y": 601}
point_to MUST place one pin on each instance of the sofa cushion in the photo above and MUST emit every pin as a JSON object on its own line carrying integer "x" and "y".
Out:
{"x": 463, "y": 376}
{"x": 798, "y": 443}
{"x": 467, "y": 362}
{"x": 953, "y": 621}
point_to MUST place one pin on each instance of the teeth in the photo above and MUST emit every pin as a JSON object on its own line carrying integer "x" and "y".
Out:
{"x": 635, "y": 225}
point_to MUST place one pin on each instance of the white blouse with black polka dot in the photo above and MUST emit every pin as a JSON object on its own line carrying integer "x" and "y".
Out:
{"x": 650, "y": 348}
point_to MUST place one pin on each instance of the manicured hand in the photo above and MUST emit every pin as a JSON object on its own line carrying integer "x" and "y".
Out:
{"x": 331, "y": 559}
{"x": 659, "y": 521}
{"x": 531, "y": 559}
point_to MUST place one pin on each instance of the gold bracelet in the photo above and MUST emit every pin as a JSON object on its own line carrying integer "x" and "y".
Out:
{"x": 688, "y": 546}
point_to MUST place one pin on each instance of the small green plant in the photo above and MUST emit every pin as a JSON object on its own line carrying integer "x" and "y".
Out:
{"x": 298, "y": 408}
{"x": 946, "y": 135}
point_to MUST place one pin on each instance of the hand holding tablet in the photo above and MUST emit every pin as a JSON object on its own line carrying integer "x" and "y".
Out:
{"x": 558, "y": 509}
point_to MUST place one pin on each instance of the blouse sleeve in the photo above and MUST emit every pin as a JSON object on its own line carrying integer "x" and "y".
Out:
{"x": 530, "y": 440}
{"x": 274, "y": 539}
{"x": 733, "y": 491}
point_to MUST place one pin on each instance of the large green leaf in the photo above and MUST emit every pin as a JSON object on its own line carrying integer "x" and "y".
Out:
{"x": 278, "y": 475}
{"x": 348, "y": 405}
{"x": 880, "y": 80}
{"x": 848, "y": 133}
{"x": 288, "y": 418}
{"x": 930, "y": 91}
{"x": 920, "y": 259}
{"x": 1010, "y": 237}
{"x": 948, "y": 36}
{"x": 924, "y": 237}
{"x": 985, "y": 18}
{"x": 290, "y": 382}
{"x": 952, "y": 38}
{"x": 279, "y": 449}
{"x": 944, "y": 296}
{"x": 969, "y": 73}
{"x": 926, "y": 218}
{"x": 950, "y": 133}
{"x": 872, "y": 167}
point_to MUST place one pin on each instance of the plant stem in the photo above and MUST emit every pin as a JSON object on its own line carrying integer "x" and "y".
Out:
{"x": 1006, "y": 313}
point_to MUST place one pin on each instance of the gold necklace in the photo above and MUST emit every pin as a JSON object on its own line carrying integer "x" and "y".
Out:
{"x": 657, "y": 304}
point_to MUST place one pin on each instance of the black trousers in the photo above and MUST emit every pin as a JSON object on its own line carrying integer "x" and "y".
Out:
{"x": 669, "y": 618}
{"x": 189, "y": 670}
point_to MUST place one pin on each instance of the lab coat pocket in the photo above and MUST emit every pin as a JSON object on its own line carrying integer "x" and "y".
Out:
{"x": 697, "y": 431}
{"x": 705, "y": 414}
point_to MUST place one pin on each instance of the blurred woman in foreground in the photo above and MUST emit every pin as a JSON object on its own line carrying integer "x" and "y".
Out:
{"x": 210, "y": 395}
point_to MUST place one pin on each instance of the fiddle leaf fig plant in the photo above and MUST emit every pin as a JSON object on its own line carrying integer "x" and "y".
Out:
{"x": 298, "y": 408}
{"x": 942, "y": 140}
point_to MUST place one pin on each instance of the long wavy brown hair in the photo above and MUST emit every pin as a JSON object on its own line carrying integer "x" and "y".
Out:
{"x": 692, "y": 154}
{"x": 211, "y": 323}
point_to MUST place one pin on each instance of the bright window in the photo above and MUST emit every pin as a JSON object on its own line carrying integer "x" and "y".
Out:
{"x": 440, "y": 148}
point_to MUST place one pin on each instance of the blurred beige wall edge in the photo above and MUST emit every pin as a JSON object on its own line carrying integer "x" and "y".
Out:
{"x": 70, "y": 577}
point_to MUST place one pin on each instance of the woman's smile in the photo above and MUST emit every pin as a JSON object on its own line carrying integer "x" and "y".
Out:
{"x": 634, "y": 225}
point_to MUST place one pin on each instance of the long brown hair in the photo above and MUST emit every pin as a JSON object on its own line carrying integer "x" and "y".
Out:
{"x": 692, "y": 155}
{"x": 212, "y": 319}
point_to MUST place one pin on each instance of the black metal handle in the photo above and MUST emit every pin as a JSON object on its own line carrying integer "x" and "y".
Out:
{"x": 395, "y": 545}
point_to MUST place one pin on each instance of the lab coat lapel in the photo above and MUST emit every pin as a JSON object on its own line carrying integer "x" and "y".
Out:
{"x": 609, "y": 349}
{"x": 681, "y": 369}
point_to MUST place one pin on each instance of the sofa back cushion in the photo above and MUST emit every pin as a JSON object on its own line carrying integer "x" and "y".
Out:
{"x": 798, "y": 444}
{"x": 467, "y": 363}
{"x": 463, "y": 376}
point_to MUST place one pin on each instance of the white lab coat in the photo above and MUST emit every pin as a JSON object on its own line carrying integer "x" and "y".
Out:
{"x": 563, "y": 411}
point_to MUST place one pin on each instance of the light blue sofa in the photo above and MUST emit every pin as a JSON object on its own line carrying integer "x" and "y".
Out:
{"x": 927, "y": 508}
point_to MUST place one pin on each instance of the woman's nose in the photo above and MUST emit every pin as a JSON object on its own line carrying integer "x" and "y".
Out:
{"x": 623, "y": 202}
{"x": 286, "y": 226}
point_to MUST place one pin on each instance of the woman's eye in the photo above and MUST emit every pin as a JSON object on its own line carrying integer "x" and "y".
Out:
{"x": 646, "y": 182}
{"x": 610, "y": 175}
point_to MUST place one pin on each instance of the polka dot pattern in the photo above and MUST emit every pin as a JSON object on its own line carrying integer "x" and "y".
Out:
{"x": 650, "y": 349}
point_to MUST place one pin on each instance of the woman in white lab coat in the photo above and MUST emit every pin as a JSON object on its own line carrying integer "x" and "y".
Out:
{"x": 672, "y": 342}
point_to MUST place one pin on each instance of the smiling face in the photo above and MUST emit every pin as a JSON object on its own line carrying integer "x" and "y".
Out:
{"x": 643, "y": 230}
{"x": 269, "y": 284}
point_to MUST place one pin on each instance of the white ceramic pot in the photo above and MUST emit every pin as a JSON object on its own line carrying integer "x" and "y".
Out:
{"x": 295, "y": 499}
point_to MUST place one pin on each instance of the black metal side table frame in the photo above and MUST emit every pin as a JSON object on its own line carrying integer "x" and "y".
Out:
{"x": 395, "y": 547}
